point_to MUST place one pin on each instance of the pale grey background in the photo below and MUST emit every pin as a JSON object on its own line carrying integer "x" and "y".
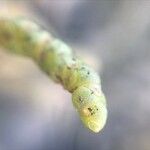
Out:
{"x": 37, "y": 114}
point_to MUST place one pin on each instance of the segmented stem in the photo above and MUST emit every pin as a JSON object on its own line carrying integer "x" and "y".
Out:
{"x": 54, "y": 57}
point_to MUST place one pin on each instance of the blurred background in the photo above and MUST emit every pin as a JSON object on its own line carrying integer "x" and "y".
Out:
{"x": 114, "y": 37}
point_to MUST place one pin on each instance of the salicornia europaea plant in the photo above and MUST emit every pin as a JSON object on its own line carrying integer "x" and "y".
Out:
{"x": 55, "y": 58}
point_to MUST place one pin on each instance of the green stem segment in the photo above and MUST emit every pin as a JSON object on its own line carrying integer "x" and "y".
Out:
{"x": 54, "y": 57}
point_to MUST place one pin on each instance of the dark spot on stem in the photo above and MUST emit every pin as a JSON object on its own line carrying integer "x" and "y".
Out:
{"x": 91, "y": 111}
{"x": 92, "y": 92}
{"x": 80, "y": 99}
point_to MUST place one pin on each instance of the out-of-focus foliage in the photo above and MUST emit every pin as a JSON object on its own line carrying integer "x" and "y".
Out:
{"x": 37, "y": 114}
